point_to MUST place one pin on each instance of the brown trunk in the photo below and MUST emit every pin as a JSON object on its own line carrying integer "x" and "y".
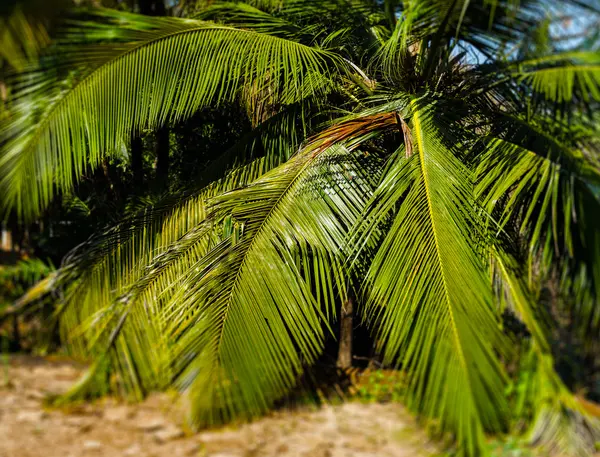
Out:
{"x": 344, "y": 359}
{"x": 162, "y": 157}
{"x": 145, "y": 7}
{"x": 157, "y": 8}
{"x": 137, "y": 165}
{"x": 152, "y": 7}
{"x": 113, "y": 184}
{"x": 6, "y": 243}
{"x": 16, "y": 334}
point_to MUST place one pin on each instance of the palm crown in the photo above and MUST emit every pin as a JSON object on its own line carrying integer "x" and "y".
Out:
{"x": 437, "y": 158}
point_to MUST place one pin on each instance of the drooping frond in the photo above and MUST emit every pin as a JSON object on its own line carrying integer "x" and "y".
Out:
{"x": 427, "y": 289}
{"x": 559, "y": 420}
{"x": 548, "y": 194}
{"x": 229, "y": 372}
{"x": 541, "y": 191}
{"x": 168, "y": 69}
{"x": 97, "y": 272}
{"x": 184, "y": 282}
{"x": 561, "y": 77}
{"x": 293, "y": 219}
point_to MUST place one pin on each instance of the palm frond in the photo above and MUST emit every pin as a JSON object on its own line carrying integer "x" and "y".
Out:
{"x": 95, "y": 274}
{"x": 562, "y": 76}
{"x": 553, "y": 205}
{"x": 152, "y": 333}
{"x": 228, "y": 372}
{"x": 559, "y": 420}
{"x": 428, "y": 294}
{"x": 173, "y": 67}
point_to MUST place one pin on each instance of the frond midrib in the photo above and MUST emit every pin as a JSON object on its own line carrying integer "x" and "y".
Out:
{"x": 586, "y": 67}
{"x": 420, "y": 143}
{"x": 259, "y": 229}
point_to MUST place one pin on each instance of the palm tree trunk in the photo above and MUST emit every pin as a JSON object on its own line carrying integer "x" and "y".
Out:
{"x": 145, "y": 7}
{"x": 162, "y": 157}
{"x": 157, "y": 8}
{"x": 344, "y": 359}
{"x": 152, "y": 7}
{"x": 137, "y": 165}
{"x": 16, "y": 342}
{"x": 114, "y": 184}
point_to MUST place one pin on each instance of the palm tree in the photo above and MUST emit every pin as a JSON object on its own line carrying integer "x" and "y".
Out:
{"x": 436, "y": 159}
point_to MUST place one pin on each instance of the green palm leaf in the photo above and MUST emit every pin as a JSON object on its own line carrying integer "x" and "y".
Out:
{"x": 427, "y": 289}
{"x": 182, "y": 285}
{"x": 95, "y": 274}
{"x": 174, "y": 67}
{"x": 227, "y": 372}
{"x": 551, "y": 202}
{"x": 559, "y": 420}
{"x": 561, "y": 76}
{"x": 228, "y": 293}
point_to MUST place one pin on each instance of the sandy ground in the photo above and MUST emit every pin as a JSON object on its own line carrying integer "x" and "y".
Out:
{"x": 109, "y": 428}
